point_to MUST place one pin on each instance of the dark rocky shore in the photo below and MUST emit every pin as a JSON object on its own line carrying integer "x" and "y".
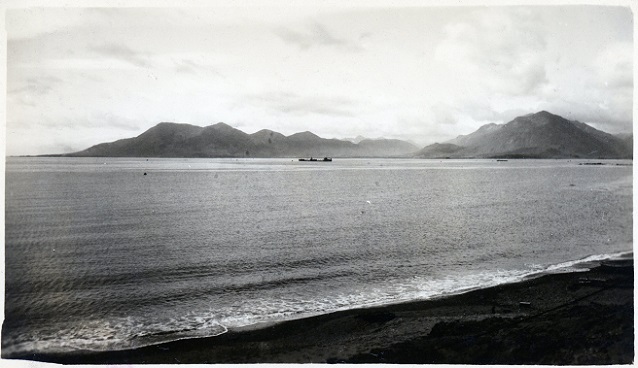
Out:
{"x": 572, "y": 318}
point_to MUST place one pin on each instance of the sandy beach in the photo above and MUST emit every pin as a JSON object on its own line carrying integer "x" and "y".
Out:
{"x": 568, "y": 318}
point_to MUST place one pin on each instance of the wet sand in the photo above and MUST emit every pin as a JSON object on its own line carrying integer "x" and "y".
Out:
{"x": 572, "y": 318}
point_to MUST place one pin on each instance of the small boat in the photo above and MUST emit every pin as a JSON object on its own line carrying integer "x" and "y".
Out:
{"x": 325, "y": 159}
{"x": 501, "y": 160}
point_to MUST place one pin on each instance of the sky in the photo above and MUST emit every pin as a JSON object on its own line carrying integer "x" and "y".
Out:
{"x": 82, "y": 76}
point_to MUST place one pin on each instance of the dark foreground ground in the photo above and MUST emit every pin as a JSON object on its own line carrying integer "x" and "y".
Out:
{"x": 575, "y": 318}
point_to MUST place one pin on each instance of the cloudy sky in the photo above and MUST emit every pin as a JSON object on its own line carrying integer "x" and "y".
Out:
{"x": 81, "y": 76}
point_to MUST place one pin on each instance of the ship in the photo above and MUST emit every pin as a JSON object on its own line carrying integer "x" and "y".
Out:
{"x": 325, "y": 159}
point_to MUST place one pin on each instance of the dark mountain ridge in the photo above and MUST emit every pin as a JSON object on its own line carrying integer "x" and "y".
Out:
{"x": 222, "y": 140}
{"x": 539, "y": 135}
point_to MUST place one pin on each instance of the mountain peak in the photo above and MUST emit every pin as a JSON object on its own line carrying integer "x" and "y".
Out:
{"x": 537, "y": 135}
{"x": 170, "y": 124}
{"x": 221, "y": 125}
{"x": 540, "y": 114}
{"x": 304, "y": 135}
{"x": 267, "y": 135}
{"x": 169, "y": 127}
{"x": 543, "y": 113}
{"x": 539, "y": 118}
{"x": 265, "y": 131}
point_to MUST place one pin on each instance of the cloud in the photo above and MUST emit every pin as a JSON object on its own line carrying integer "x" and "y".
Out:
{"x": 598, "y": 92}
{"x": 287, "y": 103}
{"x": 31, "y": 139}
{"x": 36, "y": 87}
{"x": 29, "y": 92}
{"x": 615, "y": 66}
{"x": 316, "y": 35}
{"x": 189, "y": 66}
{"x": 427, "y": 74}
{"x": 500, "y": 51}
{"x": 108, "y": 119}
{"x": 124, "y": 53}
{"x": 423, "y": 131}
{"x": 100, "y": 120}
{"x": 500, "y": 63}
{"x": 444, "y": 114}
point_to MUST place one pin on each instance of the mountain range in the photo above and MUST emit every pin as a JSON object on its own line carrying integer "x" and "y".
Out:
{"x": 222, "y": 140}
{"x": 538, "y": 135}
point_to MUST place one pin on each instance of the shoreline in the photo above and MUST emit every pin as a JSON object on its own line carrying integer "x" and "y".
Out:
{"x": 583, "y": 317}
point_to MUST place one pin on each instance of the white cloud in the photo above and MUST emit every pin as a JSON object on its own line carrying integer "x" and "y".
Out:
{"x": 315, "y": 34}
{"x": 425, "y": 74}
{"x": 615, "y": 65}
{"x": 289, "y": 103}
{"x": 495, "y": 51}
{"x": 506, "y": 62}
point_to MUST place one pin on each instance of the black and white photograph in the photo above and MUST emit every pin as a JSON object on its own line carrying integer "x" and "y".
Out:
{"x": 378, "y": 182}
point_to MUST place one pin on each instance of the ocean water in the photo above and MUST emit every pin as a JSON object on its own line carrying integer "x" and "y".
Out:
{"x": 99, "y": 256}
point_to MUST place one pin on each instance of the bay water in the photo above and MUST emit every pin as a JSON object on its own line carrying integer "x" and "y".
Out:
{"x": 115, "y": 253}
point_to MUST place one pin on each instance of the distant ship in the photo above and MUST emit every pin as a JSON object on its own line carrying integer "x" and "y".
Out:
{"x": 325, "y": 159}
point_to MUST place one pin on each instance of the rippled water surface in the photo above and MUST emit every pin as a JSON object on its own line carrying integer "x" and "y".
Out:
{"x": 100, "y": 256}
